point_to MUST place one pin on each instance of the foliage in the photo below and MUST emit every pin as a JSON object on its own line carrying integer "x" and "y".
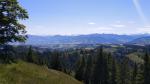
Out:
{"x": 10, "y": 28}
{"x": 92, "y": 66}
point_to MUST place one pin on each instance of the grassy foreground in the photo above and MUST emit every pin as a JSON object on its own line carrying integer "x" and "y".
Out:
{"x": 26, "y": 73}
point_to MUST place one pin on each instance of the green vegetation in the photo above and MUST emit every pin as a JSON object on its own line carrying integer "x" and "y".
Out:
{"x": 125, "y": 65}
{"x": 10, "y": 15}
{"x": 135, "y": 58}
{"x": 102, "y": 64}
{"x": 27, "y": 73}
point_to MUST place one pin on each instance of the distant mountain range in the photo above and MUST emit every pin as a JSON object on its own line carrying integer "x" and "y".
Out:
{"x": 142, "y": 40}
{"x": 89, "y": 39}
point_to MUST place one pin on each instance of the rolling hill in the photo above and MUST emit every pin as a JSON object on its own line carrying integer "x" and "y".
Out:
{"x": 26, "y": 73}
{"x": 83, "y": 39}
{"x": 142, "y": 41}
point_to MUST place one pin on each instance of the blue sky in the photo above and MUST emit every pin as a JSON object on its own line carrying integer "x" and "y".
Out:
{"x": 73, "y": 17}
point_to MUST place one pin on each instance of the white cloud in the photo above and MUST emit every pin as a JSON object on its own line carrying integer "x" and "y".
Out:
{"x": 148, "y": 26}
{"x": 38, "y": 30}
{"x": 118, "y": 21}
{"x": 102, "y": 29}
{"x": 91, "y": 23}
{"x": 131, "y": 22}
{"x": 118, "y": 25}
{"x": 145, "y": 29}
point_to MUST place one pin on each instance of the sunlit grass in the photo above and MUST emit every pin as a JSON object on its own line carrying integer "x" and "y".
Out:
{"x": 26, "y": 73}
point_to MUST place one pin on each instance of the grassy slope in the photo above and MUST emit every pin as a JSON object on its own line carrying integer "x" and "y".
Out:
{"x": 26, "y": 73}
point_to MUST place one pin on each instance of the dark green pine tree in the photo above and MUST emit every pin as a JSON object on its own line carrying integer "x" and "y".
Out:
{"x": 64, "y": 62}
{"x": 100, "y": 70}
{"x": 139, "y": 76}
{"x": 29, "y": 57}
{"x": 125, "y": 73}
{"x": 80, "y": 68}
{"x": 113, "y": 73}
{"x": 7, "y": 54}
{"x": 112, "y": 68}
{"x": 88, "y": 70}
{"x": 146, "y": 69}
{"x": 134, "y": 74}
{"x": 55, "y": 62}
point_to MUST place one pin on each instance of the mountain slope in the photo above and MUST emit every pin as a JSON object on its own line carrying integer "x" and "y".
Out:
{"x": 83, "y": 39}
{"x": 26, "y": 73}
{"x": 142, "y": 41}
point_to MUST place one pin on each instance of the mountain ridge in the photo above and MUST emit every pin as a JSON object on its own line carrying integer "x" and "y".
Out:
{"x": 142, "y": 41}
{"x": 83, "y": 39}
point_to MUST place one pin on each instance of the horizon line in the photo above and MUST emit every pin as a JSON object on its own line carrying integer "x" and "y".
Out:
{"x": 87, "y": 34}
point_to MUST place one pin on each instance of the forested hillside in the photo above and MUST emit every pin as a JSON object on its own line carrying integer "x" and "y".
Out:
{"x": 125, "y": 64}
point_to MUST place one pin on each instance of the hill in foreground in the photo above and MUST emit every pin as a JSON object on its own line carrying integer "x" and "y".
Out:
{"x": 26, "y": 73}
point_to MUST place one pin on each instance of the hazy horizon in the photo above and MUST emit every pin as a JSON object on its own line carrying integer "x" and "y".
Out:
{"x": 89, "y": 34}
{"x": 80, "y": 17}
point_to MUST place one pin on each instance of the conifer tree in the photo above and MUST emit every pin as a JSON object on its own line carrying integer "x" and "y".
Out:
{"x": 88, "y": 70}
{"x": 114, "y": 72}
{"x": 30, "y": 55}
{"x": 55, "y": 61}
{"x": 100, "y": 70}
{"x": 146, "y": 69}
{"x": 80, "y": 68}
{"x": 140, "y": 77}
{"x": 125, "y": 73}
{"x": 134, "y": 74}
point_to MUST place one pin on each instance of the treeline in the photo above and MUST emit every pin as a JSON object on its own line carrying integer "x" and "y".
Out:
{"x": 104, "y": 68}
{"x": 91, "y": 66}
{"x": 55, "y": 59}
